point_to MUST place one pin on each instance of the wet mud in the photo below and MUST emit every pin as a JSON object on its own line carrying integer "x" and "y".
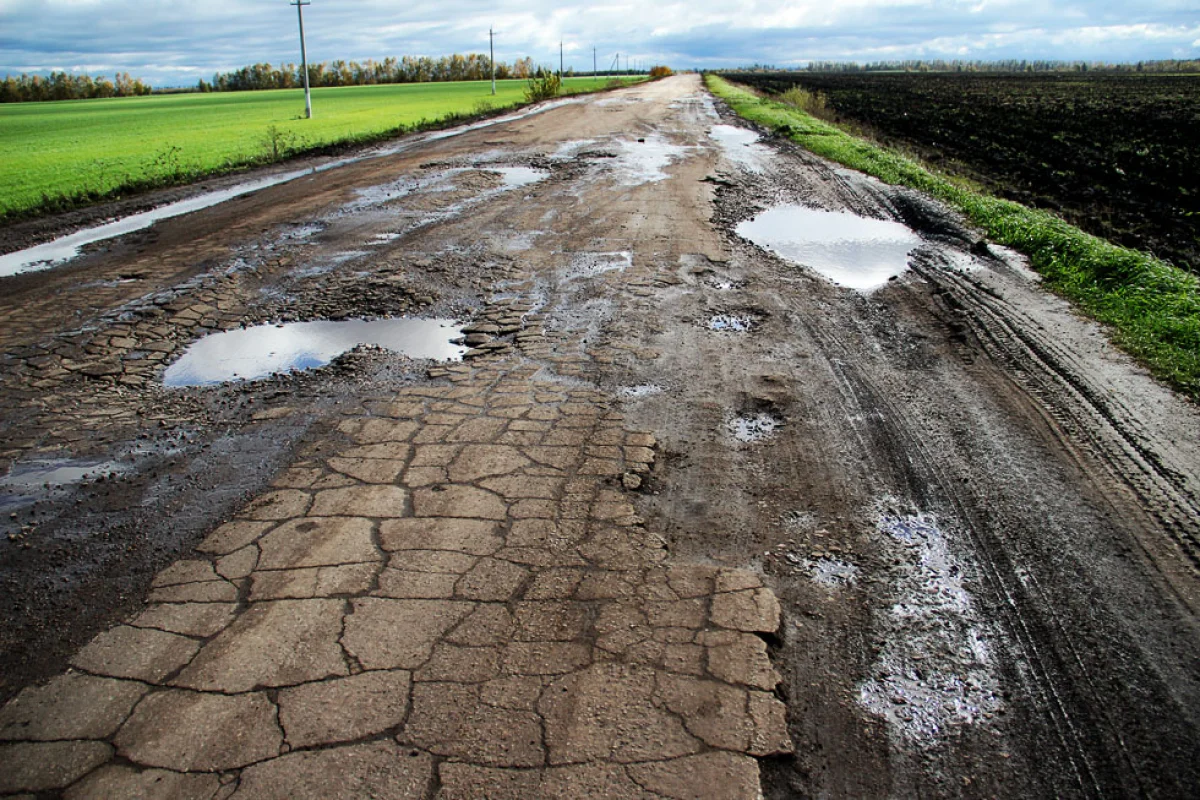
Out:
{"x": 981, "y": 521}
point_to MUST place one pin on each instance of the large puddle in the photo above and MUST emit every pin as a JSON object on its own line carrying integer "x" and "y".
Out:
{"x": 849, "y": 250}
{"x": 269, "y": 349}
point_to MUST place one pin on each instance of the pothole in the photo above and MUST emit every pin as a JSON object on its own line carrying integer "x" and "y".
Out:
{"x": 517, "y": 177}
{"x": 740, "y": 146}
{"x": 646, "y": 160}
{"x": 265, "y": 350}
{"x": 52, "y": 473}
{"x": 849, "y": 250}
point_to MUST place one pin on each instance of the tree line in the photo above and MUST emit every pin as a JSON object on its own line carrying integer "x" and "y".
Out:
{"x": 64, "y": 86}
{"x": 407, "y": 69}
{"x": 1009, "y": 65}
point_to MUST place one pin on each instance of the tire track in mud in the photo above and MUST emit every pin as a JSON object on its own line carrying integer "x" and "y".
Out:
{"x": 895, "y": 440}
{"x": 1052, "y": 375}
{"x": 1074, "y": 409}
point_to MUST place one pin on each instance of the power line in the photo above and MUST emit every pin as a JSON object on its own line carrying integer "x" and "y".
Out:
{"x": 299, "y": 4}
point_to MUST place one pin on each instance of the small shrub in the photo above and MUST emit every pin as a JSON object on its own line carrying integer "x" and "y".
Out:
{"x": 808, "y": 102}
{"x": 278, "y": 144}
{"x": 546, "y": 86}
{"x": 167, "y": 164}
{"x": 661, "y": 72}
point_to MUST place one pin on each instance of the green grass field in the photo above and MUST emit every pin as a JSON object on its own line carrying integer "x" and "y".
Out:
{"x": 1153, "y": 308}
{"x": 58, "y": 155}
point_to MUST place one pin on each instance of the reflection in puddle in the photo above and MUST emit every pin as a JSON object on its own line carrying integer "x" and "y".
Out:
{"x": 849, "y": 250}
{"x": 645, "y": 161}
{"x": 740, "y": 146}
{"x": 27, "y": 481}
{"x": 267, "y": 349}
{"x": 934, "y": 673}
{"x": 751, "y": 428}
{"x": 516, "y": 177}
{"x": 57, "y": 472}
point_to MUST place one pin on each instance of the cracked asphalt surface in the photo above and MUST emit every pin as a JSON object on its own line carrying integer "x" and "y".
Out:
{"x": 687, "y": 521}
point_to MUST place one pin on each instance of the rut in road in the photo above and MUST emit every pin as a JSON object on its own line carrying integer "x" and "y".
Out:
{"x": 552, "y": 570}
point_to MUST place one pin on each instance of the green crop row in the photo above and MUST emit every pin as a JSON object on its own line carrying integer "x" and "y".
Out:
{"x": 1152, "y": 307}
{"x": 63, "y": 154}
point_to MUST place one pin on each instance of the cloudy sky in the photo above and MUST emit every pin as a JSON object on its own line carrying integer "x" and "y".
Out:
{"x": 176, "y": 42}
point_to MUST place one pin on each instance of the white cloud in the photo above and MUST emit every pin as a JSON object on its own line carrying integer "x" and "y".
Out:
{"x": 168, "y": 42}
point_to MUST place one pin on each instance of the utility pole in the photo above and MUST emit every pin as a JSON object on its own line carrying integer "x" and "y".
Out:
{"x": 299, "y": 4}
{"x": 560, "y": 60}
{"x": 595, "y": 74}
{"x": 492, "y": 56}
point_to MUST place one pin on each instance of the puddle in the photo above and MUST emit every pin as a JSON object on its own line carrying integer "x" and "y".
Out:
{"x": 750, "y": 428}
{"x": 56, "y": 472}
{"x": 28, "y": 481}
{"x": 640, "y": 162}
{"x": 49, "y": 254}
{"x": 934, "y": 672}
{"x": 639, "y": 391}
{"x": 849, "y": 250}
{"x": 517, "y": 177}
{"x": 733, "y": 323}
{"x": 268, "y": 349}
{"x": 740, "y": 145}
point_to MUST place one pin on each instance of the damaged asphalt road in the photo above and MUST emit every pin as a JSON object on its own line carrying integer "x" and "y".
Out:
{"x": 687, "y": 514}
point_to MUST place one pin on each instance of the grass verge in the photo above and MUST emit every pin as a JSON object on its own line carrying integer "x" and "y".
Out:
{"x": 64, "y": 155}
{"x": 1152, "y": 307}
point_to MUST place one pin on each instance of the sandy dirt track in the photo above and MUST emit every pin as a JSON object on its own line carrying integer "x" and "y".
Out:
{"x": 689, "y": 520}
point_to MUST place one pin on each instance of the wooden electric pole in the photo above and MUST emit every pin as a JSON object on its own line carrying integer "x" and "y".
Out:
{"x": 299, "y": 4}
{"x": 492, "y": 56}
{"x": 560, "y": 60}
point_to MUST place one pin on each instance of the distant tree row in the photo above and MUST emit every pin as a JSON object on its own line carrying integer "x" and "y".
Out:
{"x": 1012, "y": 65}
{"x": 408, "y": 69}
{"x": 64, "y": 86}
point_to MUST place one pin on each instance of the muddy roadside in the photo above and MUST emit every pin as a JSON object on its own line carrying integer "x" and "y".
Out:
{"x": 981, "y": 520}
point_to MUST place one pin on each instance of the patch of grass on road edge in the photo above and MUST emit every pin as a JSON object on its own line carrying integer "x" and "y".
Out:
{"x": 1152, "y": 307}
